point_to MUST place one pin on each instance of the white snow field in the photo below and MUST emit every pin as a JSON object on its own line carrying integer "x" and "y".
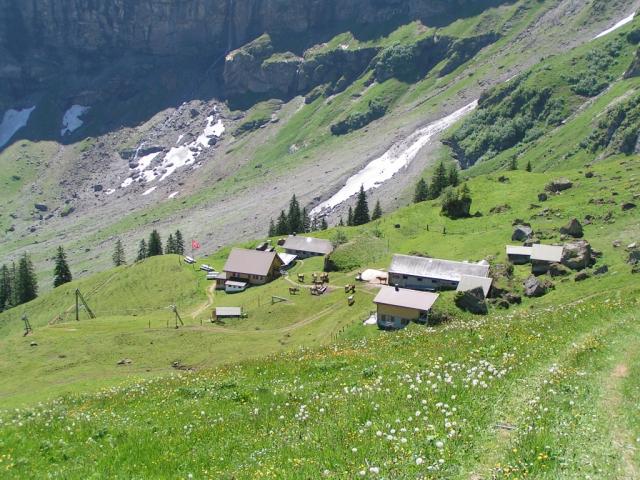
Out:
{"x": 621, "y": 23}
{"x": 71, "y": 120}
{"x": 401, "y": 154}
{"x": 12, "y": 121}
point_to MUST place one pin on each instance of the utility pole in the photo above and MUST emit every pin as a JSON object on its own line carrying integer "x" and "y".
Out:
{"x": 27, "y": 325}
{"x": 174, "y": 308}
{"x": 80, "y": 299}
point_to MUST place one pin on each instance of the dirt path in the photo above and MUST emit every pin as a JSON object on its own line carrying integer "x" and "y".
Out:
{"x": 622, "y": 438}
{"x": 211, "y": 289}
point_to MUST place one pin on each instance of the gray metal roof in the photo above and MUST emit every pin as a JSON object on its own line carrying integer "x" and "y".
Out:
{"x": 436, "y": 268}
{"x": 250, "y": 262}
{"x": 518, "y": 250}
{"x": 547, "y": 253}
{"x": 228, "y": 311}
{"x": 287, "y": 258}
{"x": 231, "y": 283}
{"x": 308, "y": 244}
{"x": 469, "y": 282}
{"x": 403, "y": 297}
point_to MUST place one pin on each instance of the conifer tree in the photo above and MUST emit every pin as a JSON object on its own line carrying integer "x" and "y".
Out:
{"x": 14, "y": 285}
{"x": 61, "y": 272}
{"x": 179, "y": 243}
{"x": 361, "y": 212}
{"x": 528, "y": 168}
{"x": 170, "y": 247}
{"x": 118, "y": 254}
{"x": 323, "y": 223}
{"x": 282, "y": 227}
{"x": 422, "y": 191}
{"x": 350, "y": 217}
{"x": 340, "y": 223}
{"x": 306, "y": 221}
{"x": 142, "y": 250}
{"x": 377, "y": 211}
{"x": 272, "y": 229}
{"x": 513, "y": 164}
{"x": 154, "y": 246}
{"x": 440, "y": 181}
{"x": 5, "y": 288}
{"x": 26, "y": 285}
{"x": 294, "y": 218}
{"x": 454, "y": 177}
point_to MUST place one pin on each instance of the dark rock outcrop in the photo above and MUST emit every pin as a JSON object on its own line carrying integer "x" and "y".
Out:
{"x": 577, "y": 255}
{"x": 472, "y": 301}
{"x": 559, "y": 185}
{"x": 534, "y": 287}
{"x": 522, "y": 233}
{"x": 573, "y": 229}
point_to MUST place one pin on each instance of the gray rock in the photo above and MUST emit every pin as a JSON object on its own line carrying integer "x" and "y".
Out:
{"x": 522, "y": 233}
{"x": 543, "y": 197}
{"x": 634, "y": 257}
{"x": 41, "y": 207}
{"x": 533, "y": 287}
{"x": 601, "y": 270}
{"x": 472, "y": 301}
{"x": 628, "y": 206}
{"x": 581, "y": 276}
{"x": 125, "y": 361}
{"x": 558, "y": 270}
{"x": 573, "y": 229}
{"x": 559, "y": 185}
{"x": 577, "y": 255}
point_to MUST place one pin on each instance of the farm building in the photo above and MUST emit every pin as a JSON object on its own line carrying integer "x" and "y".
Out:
{"x": 519, "y": 255}
{"x": 396, "y": 307}
{"x": 228, "y": 312}
{"x": 305, "y": 247}
{"x": 288, "y": 260}
{"x": 234, "y": 287}
{"x": 542, "y": 256}
{"x": 420, "y": 273}
{"x": 470, "y": 282}
{"x": 252, "y": 266}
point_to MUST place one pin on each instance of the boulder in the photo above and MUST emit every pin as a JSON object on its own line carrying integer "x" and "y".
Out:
{"x": 513, "y": 298}
{"x": 581, "y": 276}
{"x": 628, "y": 206}
{"x": 472, "y": 301}
{"x": 522, "y": 233}
{"x": 577, "y": 255}
{"x": 41, "y": 207}
{"x": 533, "y": 287}
{"x": 125, "y": 361}
{"x": 634, "y": 257}
{"x": 588, "y": 175}
{"x": 558, "y": 270}
{"x": 573, "y": 229}
{"x": 543, "y": 197}
{"x": 601, "y": 270}
{"x": 559, "y": 185}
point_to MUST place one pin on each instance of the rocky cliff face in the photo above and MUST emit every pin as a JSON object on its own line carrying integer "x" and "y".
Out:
{"x": 41, "y": 38}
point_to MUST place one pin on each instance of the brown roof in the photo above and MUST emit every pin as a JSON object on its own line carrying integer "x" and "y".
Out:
{"x": 250, "y": 262}
{"x": 404, "y": 297}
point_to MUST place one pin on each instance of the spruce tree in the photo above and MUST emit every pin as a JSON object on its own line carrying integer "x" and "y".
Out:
{"x": 361, "y": 212}
{"x": 142, "y": 250}
{"x": 179, "y": 243}
{"x": 377, "y": 211}
{"x": 294, "y": 218}
{"x": 350, "y": 217}
{"x": 422, "y": 191}
{"x": 154, "y": 246}
{"x": 513, "y": 164}
{"x": 282, "y": 227}
{"x": 61, "y": 272}
{"x": 171, "y": 245}
{"x": 26, "y": 285}
{"x": 13, "y": 274}
{"x": 306, "y": 221}
{"x": 118, "y": 254}
{"x": 340, "y": 223}
{"x": 528, "y": 168}
{"x": 272, "y": 229}
{"x": 454, "y": 178}
{"x": 323, "y": 223}
{"x": 5, "y": 288}
{"x": 440, "y": 180}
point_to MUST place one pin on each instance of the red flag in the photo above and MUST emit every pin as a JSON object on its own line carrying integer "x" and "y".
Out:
{"x": 195, "y": 245}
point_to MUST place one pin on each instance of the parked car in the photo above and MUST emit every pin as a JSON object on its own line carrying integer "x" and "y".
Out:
{"x": 206, "y": 268}
{"x": 189, "y": 260}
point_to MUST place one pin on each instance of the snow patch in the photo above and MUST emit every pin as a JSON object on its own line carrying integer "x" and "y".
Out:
{"x": 126, "y": 183}
{"x": 71, "y": 119}
{"x": 147, "y": 192}
{"x": 12, "y": 121}
{"x": 111, "y": 191}
{"x": 211, "y": 130}
{"x": 401, "y": 154}
{"x": 176, "y": 158}
{"x": 618, "y": 25}
{"x": 173, "y": 195}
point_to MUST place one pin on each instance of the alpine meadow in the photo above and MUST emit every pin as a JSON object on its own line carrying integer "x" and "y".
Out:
{"x": 302, "y": 240}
